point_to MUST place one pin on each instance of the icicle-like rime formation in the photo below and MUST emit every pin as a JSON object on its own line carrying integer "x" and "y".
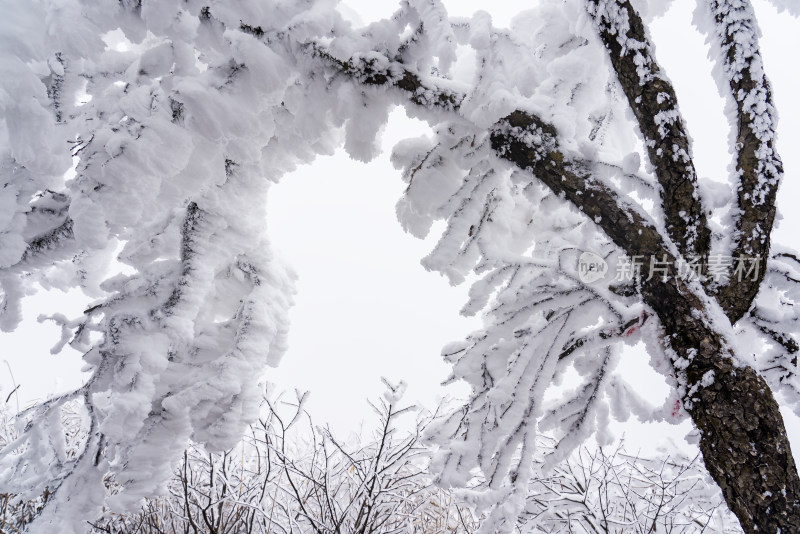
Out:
{"x": 699, "y": 349}
{"x": 773, "y": 322}
{"x": 538, "y": 315}
{"x": 536, "y": 329}
{"x": 754, "y": 451}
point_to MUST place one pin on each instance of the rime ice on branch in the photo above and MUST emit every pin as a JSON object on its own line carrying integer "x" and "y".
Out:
{"x": 182, "y": 114}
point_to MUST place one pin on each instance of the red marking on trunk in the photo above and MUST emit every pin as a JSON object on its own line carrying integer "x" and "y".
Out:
{"x": 676, "y": 408}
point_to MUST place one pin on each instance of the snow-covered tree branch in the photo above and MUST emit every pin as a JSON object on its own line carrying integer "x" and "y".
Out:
{"x": 149, "y": 131}
{"x": 654, "y": 103}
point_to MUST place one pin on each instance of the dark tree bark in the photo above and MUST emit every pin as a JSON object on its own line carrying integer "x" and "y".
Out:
{"x": 743, "y": 440}
{"x": 654, "y": 103}
{"x": 743, "y": 437}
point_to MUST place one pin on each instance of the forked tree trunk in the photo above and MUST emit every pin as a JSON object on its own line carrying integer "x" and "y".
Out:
{"x": 743, "y": 438}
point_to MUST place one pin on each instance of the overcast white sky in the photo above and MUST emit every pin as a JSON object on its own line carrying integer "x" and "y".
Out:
{"x": 365, "y": 307}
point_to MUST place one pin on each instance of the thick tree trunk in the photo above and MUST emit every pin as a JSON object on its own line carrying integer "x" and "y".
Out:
{"x": 744, "y": 446}
{"x": 743, "y": 438}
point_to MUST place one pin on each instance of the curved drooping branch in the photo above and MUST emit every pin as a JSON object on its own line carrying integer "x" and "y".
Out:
{"x": 531, "y": 144}
{"x": 655, "y": 105}
{"x": 758, "y": 165}
{"x": 630, "y": 228}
